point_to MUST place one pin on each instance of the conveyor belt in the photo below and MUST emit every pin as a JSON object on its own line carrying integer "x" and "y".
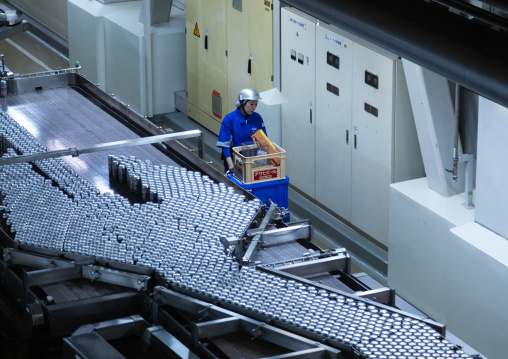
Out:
{"x": 180, "y": 236}
{"x": 63, "y": 292}
{"x": 64, "y": 118}
{"x": 247, "y": 348}
{"x": 281, "y": 252}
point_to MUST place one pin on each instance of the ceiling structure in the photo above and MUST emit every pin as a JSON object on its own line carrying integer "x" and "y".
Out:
{"x": 461, "y": 40}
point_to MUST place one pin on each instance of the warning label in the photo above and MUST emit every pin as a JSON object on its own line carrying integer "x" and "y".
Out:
{"x": 196, "y": 30}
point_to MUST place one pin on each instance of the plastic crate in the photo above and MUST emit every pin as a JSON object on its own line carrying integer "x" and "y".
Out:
{"x": 276, "y": 191}
{"x": 251, "y": 168}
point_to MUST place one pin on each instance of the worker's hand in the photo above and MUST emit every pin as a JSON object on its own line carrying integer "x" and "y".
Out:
{"x": 230, "y": 164}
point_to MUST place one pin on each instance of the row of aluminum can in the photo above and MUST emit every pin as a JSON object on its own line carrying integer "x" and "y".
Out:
{"x": 176, "y": 230}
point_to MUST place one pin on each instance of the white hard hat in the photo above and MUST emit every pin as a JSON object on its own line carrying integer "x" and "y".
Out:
{"x": 247, "y": 94}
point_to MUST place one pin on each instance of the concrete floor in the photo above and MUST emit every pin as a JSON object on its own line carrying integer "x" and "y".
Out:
{"x": 25, "y": 53}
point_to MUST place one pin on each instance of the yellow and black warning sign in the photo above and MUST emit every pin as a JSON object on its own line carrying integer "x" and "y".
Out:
{"x": 196, "y": 30}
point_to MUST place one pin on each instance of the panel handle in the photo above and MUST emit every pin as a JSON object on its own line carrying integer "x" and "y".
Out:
{"x": 311, "y": 116}
{"x": 249, "y": 66}
{"x": 347, "y": 137}
{"x": 355, "y": 142}
{"x": 206, "y": 42}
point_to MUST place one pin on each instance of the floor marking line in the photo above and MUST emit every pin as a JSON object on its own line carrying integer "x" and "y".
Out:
{"x": 29, "y": 55}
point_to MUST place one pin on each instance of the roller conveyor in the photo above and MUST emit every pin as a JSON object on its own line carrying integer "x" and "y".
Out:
{"x": 65, "y": 117}
{"x": 65, "y": 206}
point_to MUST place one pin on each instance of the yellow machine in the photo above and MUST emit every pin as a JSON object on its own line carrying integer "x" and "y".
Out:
{"x": 229, "y": 47}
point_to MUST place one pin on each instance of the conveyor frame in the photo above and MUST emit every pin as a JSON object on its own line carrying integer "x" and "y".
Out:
{"x": 181, "y": 296}
{"x": 220, "y": 321}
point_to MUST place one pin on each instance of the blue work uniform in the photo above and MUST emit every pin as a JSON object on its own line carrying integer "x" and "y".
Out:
{"x": 236, "y": 130}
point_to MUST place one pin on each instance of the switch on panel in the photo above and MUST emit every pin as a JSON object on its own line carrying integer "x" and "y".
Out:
{"x": 293, "y": 55}
{"x": 332, "y": 89}
{"x": 371, "y": 109}
{"x": 300, "y": 58}
{"x": 332, "y": 60}
{"x": 371, "y": 79}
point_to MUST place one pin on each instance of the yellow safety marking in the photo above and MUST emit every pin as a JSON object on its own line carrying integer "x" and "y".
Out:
{"x": 196, "y": 30}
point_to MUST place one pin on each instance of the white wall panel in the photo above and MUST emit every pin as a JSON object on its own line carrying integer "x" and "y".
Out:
{"x": 299, "y": 114}
{"x": 372, "y": 141}
{"x": 448, "y": 266}
{"x": 492, "y": 171}
{"x": 333, "y": 127}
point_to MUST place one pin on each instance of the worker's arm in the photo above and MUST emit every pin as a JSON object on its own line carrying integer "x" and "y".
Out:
{"x": 229, "y": 161}
{"x": 225, "y": 140}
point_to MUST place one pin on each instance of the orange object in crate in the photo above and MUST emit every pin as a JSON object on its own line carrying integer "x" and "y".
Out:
{"x": 261, "y": 140}
{"x": 251, "y": 167}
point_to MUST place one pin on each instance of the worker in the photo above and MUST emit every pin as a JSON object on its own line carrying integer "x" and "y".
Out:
{"x": 239, "y": 125}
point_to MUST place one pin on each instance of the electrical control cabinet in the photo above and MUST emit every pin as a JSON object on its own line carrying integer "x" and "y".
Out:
{"x": 347, "y": 124}
{"x": 372, "y": 110}
{"x": 298, "y": 72}
{"x": 334, "y": 79}
{"x": 229, "y": 47}
{"x": 206, "y": 38}
{"x": 250, "y": 58}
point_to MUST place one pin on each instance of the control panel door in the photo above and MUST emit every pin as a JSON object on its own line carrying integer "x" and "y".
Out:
{"x": 298, "y": 69}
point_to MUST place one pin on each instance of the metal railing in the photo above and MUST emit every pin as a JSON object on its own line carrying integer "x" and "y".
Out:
{"x": 109, "y": 146}
{"x": 48, "y": 73}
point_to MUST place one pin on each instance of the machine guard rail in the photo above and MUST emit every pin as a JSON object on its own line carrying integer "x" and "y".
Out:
{"x": 108, "y": 146}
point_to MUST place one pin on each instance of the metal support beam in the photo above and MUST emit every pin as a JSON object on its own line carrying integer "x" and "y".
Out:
{"x": 166, "y": 343}
{"x": 89, "y": 346}
{"x": 381, "y": 295}
{"x": 8, "y": 31}
{"x": 287, "y": 234}
{"x": 112, "y": 276}
{"x": 435, "y": 124}
{"x": 47, "y": 276}
{"x": 215, "y": 328}
{"x": 231, "y": 322}
{"x": 108, "y": 146}
{"x": 134, "y": 325}
{"x": 323, "y": 265}
{"x": 39, "y": 261}
{"x": 316, "y": 353}
{"x": 247, "y": 246}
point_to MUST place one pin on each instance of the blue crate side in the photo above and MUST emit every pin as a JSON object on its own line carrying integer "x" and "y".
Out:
{"x": 276, "y": 190}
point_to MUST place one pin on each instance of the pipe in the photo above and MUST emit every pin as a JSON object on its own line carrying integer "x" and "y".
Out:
{"x": 469, "y": 179}
{"x": 148, "y": 58}
{"x": 108, "y": 146}
{"x": 455, "y": 175}
{"x": 475, "y": 12}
